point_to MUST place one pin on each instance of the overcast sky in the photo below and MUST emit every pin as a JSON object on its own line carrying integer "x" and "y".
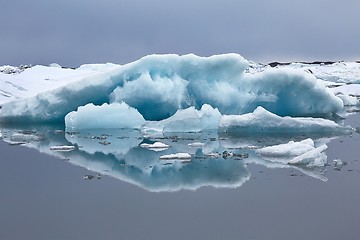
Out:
{"x": 74, "y": 32}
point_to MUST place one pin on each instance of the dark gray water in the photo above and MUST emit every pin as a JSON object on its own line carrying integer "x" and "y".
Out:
{"x": 45, "y": 196}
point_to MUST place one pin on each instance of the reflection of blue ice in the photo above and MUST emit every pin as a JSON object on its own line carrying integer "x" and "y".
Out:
{"x": 117, "y": 153}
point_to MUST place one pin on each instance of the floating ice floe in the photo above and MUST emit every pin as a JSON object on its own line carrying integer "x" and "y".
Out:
{"x": 263, "y": 121}
{"x": 312, "y": 158}
{"x": 183, "y": 157}
{"x": 303, "y": 153}
{"x": 156, "y": 146}
{"x": 64, "y": 148}
{"x": 196, "y": 144}
{"x": 284, "y": 152}
{"x": 25, "y": 138}
{"x": 338, "y": 164}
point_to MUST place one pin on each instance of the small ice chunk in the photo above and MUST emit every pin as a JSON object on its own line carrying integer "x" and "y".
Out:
{"x": 63, "y": 148}
{"x": 24, "y": 138}
{"x": 156, "y": 146}
{"x": 183, "y": 157}
{"x": 196, "y": 144}
{"x": 213, "y": 155}
{"x": 227, "y": 154}
{"x": 338, "y": 164}
{"x": 88, "y": 177}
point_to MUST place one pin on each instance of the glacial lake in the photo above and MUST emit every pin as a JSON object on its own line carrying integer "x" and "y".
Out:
{"x": 47, "y": 194}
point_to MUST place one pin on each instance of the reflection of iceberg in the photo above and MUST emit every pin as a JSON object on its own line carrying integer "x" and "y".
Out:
{"x": 155, "y": 175}
{"x": 120, "y": 141}
{"x": 144, "y": 168}
{"x": 124, "y": 159}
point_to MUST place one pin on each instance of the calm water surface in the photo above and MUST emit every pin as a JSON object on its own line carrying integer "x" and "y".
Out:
{"x": 44, "y": 194}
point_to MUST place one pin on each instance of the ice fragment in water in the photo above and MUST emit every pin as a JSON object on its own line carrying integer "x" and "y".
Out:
{"x": 311, "y": 158}
{"x": 64, "y": 148}
{"x": 183, "y": 157}
{"x": 156, "y": 146}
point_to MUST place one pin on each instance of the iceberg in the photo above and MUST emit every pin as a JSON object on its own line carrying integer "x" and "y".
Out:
{"x": 92, "y": 140}
{"x": 157, "y": 86}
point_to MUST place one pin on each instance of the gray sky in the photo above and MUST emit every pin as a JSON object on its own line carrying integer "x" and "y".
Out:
{"x": 74, "y": 32}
